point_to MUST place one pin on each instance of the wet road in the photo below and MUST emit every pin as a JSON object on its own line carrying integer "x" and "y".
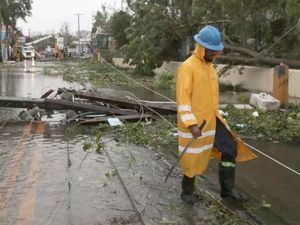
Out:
{"x": 272, "y": 183}
{"x": 35, "y": 187}
{"x": 47, "y": 177}
{"x": 51, "y": 180}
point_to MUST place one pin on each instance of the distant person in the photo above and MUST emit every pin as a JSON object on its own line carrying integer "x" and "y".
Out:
{"x": 197, "y": 94}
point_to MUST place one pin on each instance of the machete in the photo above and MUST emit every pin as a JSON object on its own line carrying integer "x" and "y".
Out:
{"x": 184, "y": 151}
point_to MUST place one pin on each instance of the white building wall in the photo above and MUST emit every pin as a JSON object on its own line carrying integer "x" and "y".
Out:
{"x": 252, "y": 78}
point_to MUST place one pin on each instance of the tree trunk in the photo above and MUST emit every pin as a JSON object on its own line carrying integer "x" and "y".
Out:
{"x": 7, "y": 41}
{"x": 243, "y": 25}
{"x": 256, "y": 58}
{"x": 187, "y": 9}
{"x": 1, "y": 59}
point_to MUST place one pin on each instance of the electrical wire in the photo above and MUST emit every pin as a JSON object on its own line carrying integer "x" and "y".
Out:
{"x": 5, "y": 121}
{"x": 53, "y": 214}
{"x": 279, "y": 39}
{"x": 124, "y": 187}
{"x": 255, "y": 149}
{"x": 274, "y": 160}
{"x": 16, "y": 148}
{"x": 70, "y": 181}
{"x": 129, "y": 78}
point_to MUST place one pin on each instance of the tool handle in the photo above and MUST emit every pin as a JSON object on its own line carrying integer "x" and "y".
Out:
{"x": 184, "y": 150}
{"x": 202, "y": 125}
{"x": 188, "y": 145}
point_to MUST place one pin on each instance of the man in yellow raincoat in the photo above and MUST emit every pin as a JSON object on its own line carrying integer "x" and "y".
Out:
{"x": 197, "y": 93}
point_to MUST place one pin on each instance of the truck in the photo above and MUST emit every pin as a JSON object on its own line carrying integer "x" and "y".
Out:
{"x": 28, "y": 50}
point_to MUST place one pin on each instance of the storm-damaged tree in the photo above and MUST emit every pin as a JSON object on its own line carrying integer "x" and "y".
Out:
{"x": 115, "y": 25}
{"x": 118, "y": 23}
{"x": 270, "y": 29}
{"x": 10, "y": 12}
{"x": 255, "y": 24}
{"x": 66, "y": 34}
{"x": 100, "y": 23}
{"x": 156, "y": 32}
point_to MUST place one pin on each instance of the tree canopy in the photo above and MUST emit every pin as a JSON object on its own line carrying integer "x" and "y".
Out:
{"x": 119, "y": 22}
{"x": 160, "y": 30}
{"x": 11, "y": 11}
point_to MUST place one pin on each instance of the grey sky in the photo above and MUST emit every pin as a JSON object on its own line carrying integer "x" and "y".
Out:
{"x": 48, "y": 15}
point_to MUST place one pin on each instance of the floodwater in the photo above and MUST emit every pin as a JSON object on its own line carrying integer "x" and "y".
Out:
{"x": 47, "y": 177}
{"x": 51, "y": 180}
{"x": 266, "y": 182}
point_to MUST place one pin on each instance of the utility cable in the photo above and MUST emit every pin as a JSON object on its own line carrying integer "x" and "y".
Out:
{"x": 129, "y": 78}
{"x": 53, "y": 214}
{"x": 3, "y": 116}
{"x": 155, "y": 112}
{"x": 274, "y": 160}
{"x": 16, "y": 148}
{"x": 124, "y": 187}
{"x": 5, "y": 121}
{"x": 70, "y": 182}
{"x": 141, "y": 108}
{"x": 279, "y": 39}
{"x": 255, "y": 149}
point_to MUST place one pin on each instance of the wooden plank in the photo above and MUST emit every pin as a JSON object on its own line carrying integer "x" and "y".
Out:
{"x": 161, "y": 107}
{"x": 97, "y": 120}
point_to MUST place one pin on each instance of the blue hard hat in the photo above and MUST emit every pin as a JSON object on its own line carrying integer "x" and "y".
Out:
{"x": 209, "y": 37}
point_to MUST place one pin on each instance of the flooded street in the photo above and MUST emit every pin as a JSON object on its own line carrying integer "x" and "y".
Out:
{"x": 51, "y": 180}
{"x": 269, "y": 183}
{"x": 14, "y": 81}
{"x": 47, "y": 177}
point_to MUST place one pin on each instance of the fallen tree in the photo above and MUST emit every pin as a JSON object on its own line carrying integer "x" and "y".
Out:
{"x": 255, "y": 58}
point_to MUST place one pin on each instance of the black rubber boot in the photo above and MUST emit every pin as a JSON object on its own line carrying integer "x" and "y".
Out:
{"x": 226, "y": 178}
{"x": 188, "y": 188}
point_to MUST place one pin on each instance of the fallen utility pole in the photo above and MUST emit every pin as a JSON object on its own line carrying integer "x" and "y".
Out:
{"x": 128, "y": 103}
{"x": 132, "y": 103}
{"x": 57, "y": 104}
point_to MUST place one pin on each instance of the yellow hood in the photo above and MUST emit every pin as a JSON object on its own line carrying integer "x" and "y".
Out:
{"x": 199, "y": 52}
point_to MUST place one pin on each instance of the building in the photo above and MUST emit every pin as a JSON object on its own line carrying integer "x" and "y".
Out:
{"x": 5, "y": 35}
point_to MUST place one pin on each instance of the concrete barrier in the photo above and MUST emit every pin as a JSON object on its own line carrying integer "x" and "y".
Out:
{"x": 255, "y": 79}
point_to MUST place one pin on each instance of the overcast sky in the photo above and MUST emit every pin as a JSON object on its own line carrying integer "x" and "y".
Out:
{"x": 48, "y": 15}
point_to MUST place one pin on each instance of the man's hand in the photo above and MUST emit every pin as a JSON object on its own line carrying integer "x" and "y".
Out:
{"x": 196, "y": 132}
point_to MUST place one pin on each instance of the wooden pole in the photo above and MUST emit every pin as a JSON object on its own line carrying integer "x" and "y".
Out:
{"x": 281, "y": 83}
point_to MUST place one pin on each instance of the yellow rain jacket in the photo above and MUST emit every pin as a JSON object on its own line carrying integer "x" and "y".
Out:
{"x": 197, "y": 93}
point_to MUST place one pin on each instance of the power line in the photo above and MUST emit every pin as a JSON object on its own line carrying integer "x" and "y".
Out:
{"x": 124, "y": 187}
{"x": 25, "y": 132}
{"x": 279, "y": 39}
{"x": 161, "y": 95}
